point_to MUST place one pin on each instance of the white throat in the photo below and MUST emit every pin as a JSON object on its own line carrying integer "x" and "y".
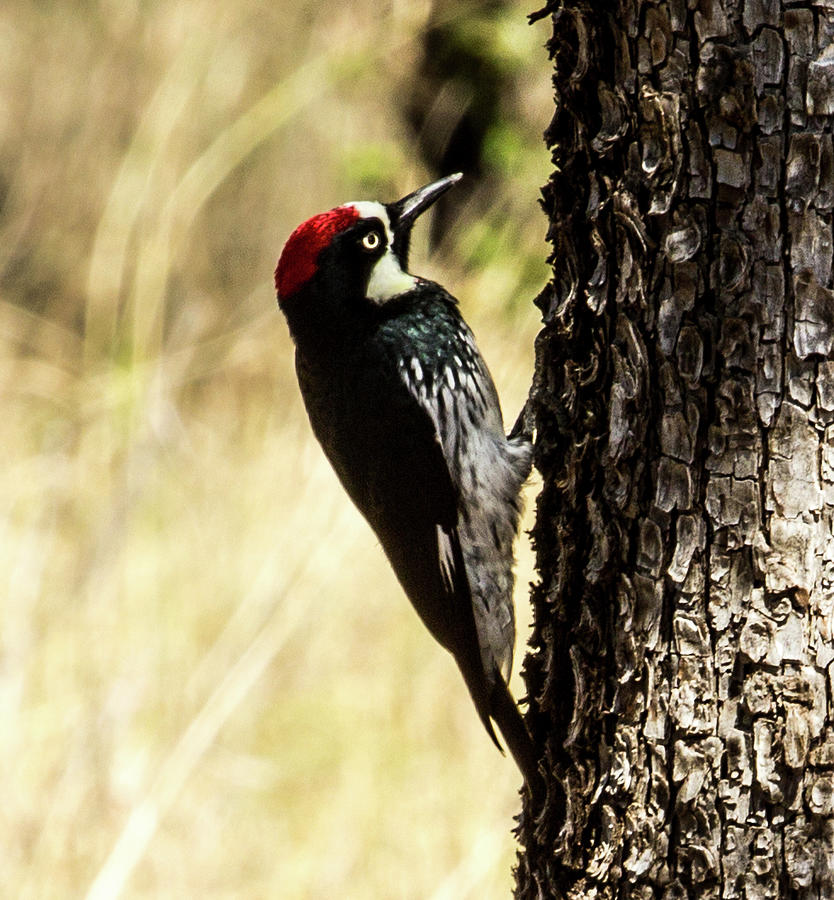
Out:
{"x": 388, "y": 279}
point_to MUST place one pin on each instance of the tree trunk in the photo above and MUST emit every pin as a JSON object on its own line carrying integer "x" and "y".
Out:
{"x": 681, "y": 683}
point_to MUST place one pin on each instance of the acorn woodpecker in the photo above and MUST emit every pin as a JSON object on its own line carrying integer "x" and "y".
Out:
{"x": 406, "y": 411}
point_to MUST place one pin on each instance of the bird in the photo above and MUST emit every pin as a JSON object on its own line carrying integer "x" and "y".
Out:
{"x": 407, "y": 413}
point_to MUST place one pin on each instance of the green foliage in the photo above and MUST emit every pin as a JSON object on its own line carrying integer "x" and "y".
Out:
{"x": 372, "y": 167}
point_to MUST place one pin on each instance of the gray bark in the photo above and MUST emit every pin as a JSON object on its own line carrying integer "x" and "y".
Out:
{"x": 681, "y": 680}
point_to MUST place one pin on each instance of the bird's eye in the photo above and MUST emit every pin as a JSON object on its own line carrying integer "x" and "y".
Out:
{"x": 371, "y": 241}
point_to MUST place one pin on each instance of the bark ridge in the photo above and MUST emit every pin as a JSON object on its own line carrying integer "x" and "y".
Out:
{"x": 684, "y": 400}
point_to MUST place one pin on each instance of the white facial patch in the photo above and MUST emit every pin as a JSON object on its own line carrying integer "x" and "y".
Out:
{"x": 388, "y": 280}
{"x": 370, "y": 209}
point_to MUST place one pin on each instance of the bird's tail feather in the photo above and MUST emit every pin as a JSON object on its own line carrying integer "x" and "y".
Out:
{"x": 515, "y": 732}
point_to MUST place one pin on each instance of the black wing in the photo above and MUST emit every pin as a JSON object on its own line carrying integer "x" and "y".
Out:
{"x": 384, "y": 446}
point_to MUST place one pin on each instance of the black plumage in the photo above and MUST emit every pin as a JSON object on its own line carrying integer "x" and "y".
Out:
{"x": 406, "y": 411}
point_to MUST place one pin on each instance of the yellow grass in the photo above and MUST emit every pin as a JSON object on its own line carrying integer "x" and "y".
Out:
{"x": 210, "y": 683}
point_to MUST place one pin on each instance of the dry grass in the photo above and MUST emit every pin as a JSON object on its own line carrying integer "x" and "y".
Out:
{"x": 210, "y": 684}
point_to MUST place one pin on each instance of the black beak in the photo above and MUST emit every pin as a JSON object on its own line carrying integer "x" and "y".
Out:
{"x": 404, "y": 212}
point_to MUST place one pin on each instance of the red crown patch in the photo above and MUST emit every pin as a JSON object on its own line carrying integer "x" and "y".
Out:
{"x": 297, "y": 263}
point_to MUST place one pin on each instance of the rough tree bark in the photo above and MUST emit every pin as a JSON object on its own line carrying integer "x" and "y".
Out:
{"x": 681, "y": 679}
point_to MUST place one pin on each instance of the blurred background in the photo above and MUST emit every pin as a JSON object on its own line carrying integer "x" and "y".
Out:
{"x": 210, "y": 683}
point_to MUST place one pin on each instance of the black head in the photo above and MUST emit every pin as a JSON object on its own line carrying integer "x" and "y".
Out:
{"x": 352, "y": 256}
